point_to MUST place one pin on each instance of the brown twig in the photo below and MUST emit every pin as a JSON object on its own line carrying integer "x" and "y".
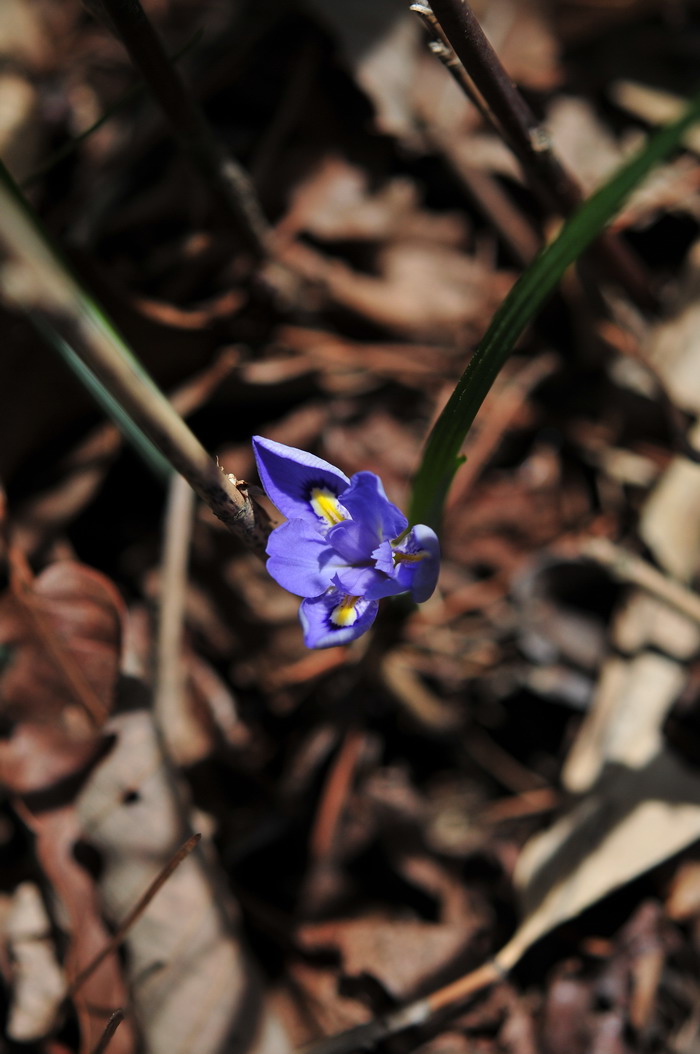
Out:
{"x": 442, "y": 49}
{"x": 526, "y": 136}
{"x": 110, "y": 1028}
{"x": 138, "y": 909}
{"x": 225, "y": 178}
{"x": 335, "y": 794}
{"x": 365, "y": 1037}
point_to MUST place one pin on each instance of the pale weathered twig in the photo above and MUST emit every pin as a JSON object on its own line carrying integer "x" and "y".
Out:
{"x": 443, "y": 50}
{"x": 167, "y": 702}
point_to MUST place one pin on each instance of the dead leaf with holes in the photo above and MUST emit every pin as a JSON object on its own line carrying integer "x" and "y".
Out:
{"x": 193, "y": 984}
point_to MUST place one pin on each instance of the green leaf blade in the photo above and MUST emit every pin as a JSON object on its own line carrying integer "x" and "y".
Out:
{"x": 441, "y": 454}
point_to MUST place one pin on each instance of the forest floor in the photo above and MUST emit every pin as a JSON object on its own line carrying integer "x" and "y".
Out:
{"x": 515, "y": 765}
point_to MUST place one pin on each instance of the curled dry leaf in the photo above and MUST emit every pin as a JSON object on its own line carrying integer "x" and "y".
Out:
{"x": 62, "y": 635}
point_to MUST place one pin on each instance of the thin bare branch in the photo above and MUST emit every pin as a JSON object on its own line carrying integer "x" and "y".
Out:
{"x": 167, "y": 703}
{"x": 135, "y": 913}
{"x": 110, "y": 1028}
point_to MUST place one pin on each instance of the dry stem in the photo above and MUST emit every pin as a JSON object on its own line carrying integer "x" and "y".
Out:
{"x": 454, "y": 24}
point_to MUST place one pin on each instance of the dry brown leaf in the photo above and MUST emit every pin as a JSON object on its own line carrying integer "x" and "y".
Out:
{"x": 523, "y": 38}
{"x": 427, "y": 291}
{"x": 653, "y": 105}
{"x": 639, "y": 804}
{"x": 23, "y": 35}
{"x": 672, "y": 515}
{"x": 333, "y": 202}
{"x": 57, "y": 832}
{"x": 379, "y": 40}
{"x": 69, "y": 618}
{"x": 402, "y": 954}
{"x": 582, "y": 141}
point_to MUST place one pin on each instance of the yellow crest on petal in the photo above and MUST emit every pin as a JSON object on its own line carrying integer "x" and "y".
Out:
{"x": 345, "y": 613}
{"x": 326, "y": 505}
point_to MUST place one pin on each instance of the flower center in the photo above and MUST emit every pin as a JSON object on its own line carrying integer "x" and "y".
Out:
{"x": 326, "y": 506}
{"x": 345, "y": 613}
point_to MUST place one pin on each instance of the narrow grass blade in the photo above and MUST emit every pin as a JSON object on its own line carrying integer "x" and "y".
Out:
{"x": 150, "y": 454}
{"x": 441, "y": 457}
{"x": 34, "y": 278}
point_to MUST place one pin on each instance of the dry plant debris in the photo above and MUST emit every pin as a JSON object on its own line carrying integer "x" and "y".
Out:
{"x": 507, "y": 775}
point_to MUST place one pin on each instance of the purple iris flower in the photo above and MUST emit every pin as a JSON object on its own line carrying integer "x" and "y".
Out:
{"x": 344, "y": 545}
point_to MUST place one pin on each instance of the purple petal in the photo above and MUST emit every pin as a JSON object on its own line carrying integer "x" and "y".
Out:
{"x": 366, "y": 502}
{"x": 364, "y": 582}
{"x": 354, "y": 540}
{"x": 383, "y": 557}
{"x": 326, "y": 620}
{"x": 418, "y": 572}
{"x": 289, "y": 477}
{"x": 300, "y": 558}
{"x": 383, "y": 586}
